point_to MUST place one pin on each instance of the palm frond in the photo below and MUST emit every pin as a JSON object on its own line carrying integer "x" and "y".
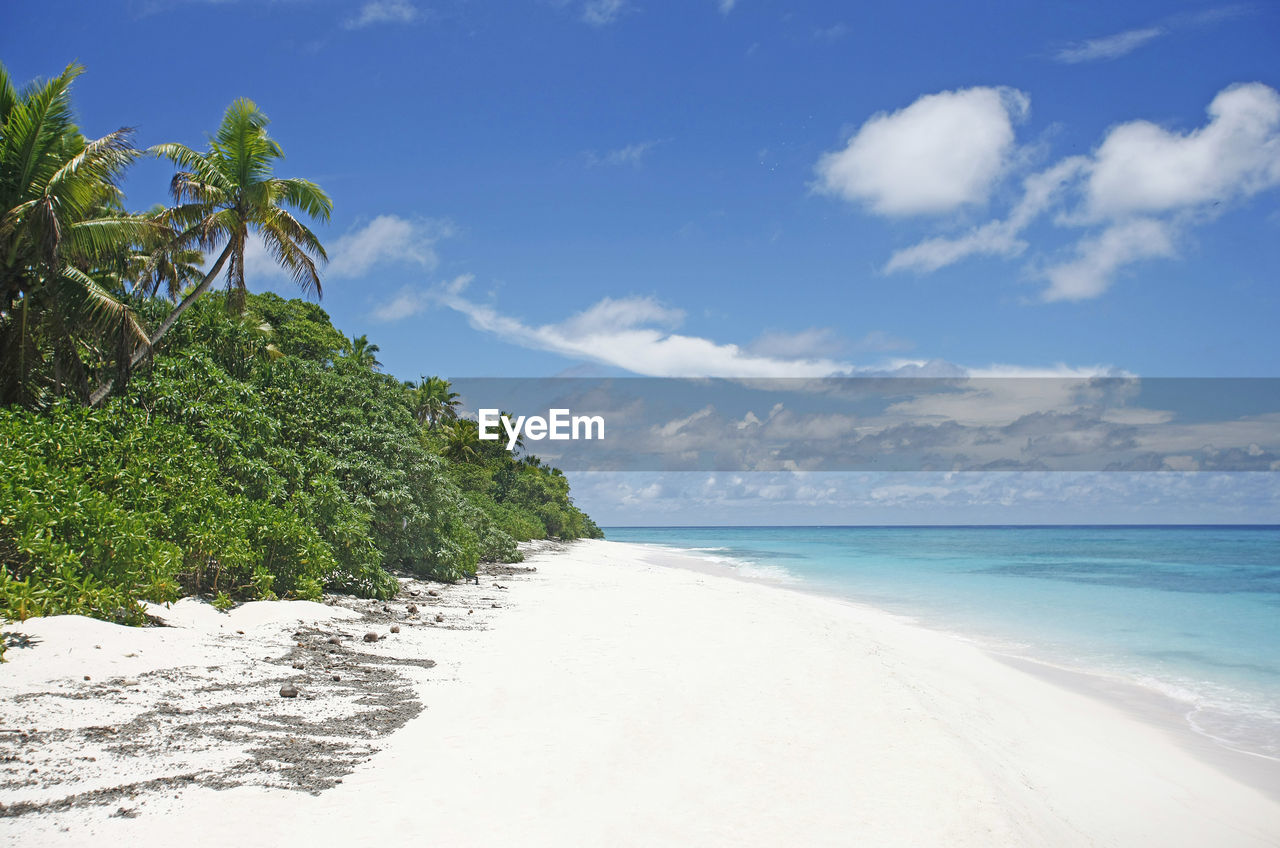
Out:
{"x": 80, "y": 293}
{"x": 291, "y": 257}
{"x": 37, "y": 124}
{"x": 102, "y": 160}
{"x": 101, "y": 236}
{"x": 306, "y": 197}
{"x": 297, "y": 232}
{"x": 196, "y": 166}
{"x": 8, "y": 94}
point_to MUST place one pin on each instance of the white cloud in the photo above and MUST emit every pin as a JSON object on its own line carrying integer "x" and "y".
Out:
{"x": 634, "y": 334}
{"x": 821, "y": 341}
{"x": 1059, "y": 371}
{"x": 388, "y": 239}
{"x": 1108, "y": 47}
{"x": 407, "y": 303}
{"x": 943, "y": 151}
{"x": 995, "y": 238}
{"x": 726, "y": 6}
{"x": 1123, "y": 43}
{"x": 1141, "y": 167}
{"x": 385, "y": 240}
{"x": 617, "y": 315}
{"x": 637, "y": 334}
{"x": 1099, "y": 257}
{"x": 603, "y": 12}
{"x": 1144, "y": 185}
{"x": 384, "y": 12}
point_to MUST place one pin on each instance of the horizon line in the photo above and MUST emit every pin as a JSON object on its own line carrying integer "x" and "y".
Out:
{"x": 927, "y": 526}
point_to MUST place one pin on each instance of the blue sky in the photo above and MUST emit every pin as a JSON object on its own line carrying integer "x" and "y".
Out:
{"x": 740, "y": 188}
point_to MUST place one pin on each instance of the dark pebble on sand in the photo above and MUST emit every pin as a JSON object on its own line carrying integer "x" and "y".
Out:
{"x": 413, "y": 609}
{"x": 395, "y": 628}
{"x": 439, "y": 618}
{"x": 299, "y": 665}
{"x": 371, "y": 637}
{"x": 288, "y": 691}
{"x": 433, "y": 593}
{"x": 334, "y": 640}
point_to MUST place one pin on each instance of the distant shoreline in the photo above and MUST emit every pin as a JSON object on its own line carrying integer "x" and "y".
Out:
{"x": 946, "y": 526}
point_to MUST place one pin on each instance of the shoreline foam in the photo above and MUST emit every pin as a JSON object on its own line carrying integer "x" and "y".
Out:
{"x": 1148, "y": 696}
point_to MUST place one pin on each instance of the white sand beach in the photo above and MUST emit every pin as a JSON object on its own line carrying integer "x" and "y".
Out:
{"x": 609, "y": 698}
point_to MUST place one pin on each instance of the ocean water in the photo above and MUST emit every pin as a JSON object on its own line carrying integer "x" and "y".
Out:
{"x": 1190, "y": 612}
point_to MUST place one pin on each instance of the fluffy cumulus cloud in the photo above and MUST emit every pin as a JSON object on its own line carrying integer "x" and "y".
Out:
{"x": 943, "y": 151}
{"x": 1142, "y": 168}
{"x": 1135, "y": 195}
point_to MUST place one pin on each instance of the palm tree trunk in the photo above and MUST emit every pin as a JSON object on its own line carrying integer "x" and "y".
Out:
{"x": 100, "y": 394}
{"x": 182, "y": 307}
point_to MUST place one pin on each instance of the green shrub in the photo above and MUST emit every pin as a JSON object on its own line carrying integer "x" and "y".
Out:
{"x": 251, "y": 462}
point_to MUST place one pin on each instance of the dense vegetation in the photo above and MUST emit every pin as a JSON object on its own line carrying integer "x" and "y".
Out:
{"x": 257, "y": 453}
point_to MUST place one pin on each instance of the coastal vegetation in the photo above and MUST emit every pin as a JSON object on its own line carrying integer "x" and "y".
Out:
{"x": 166, "y": 432}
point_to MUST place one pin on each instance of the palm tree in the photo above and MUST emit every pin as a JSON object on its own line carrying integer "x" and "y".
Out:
{"x": 462, "y": 440}
{"x": 228, "y": 192}
{"x": 60, "y": 223}
{"x": 434, "y": 402}
{"x": 165, "y": 266}
{"x": 362, "y": 353}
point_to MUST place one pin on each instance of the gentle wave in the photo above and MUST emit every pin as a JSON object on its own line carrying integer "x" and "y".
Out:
{"x": 723, "y": 556}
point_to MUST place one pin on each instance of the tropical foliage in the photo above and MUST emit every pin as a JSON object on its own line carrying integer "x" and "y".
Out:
{"x": 433, "y": 402}
{"x": 62, "y": 232}
{"x": 259, "y": 453}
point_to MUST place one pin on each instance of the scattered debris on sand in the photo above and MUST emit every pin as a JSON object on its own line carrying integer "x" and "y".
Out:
{"x": 283, "y": 704}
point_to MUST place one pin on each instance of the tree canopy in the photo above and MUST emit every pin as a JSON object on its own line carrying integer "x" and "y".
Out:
{"x": 259, "y": 452}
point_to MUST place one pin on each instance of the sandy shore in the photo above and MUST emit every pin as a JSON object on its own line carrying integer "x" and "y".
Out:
{"x": 607, "y": 698}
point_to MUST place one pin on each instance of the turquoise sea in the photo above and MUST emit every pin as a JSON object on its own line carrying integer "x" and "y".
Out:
{"x": 1190, "y": 612}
